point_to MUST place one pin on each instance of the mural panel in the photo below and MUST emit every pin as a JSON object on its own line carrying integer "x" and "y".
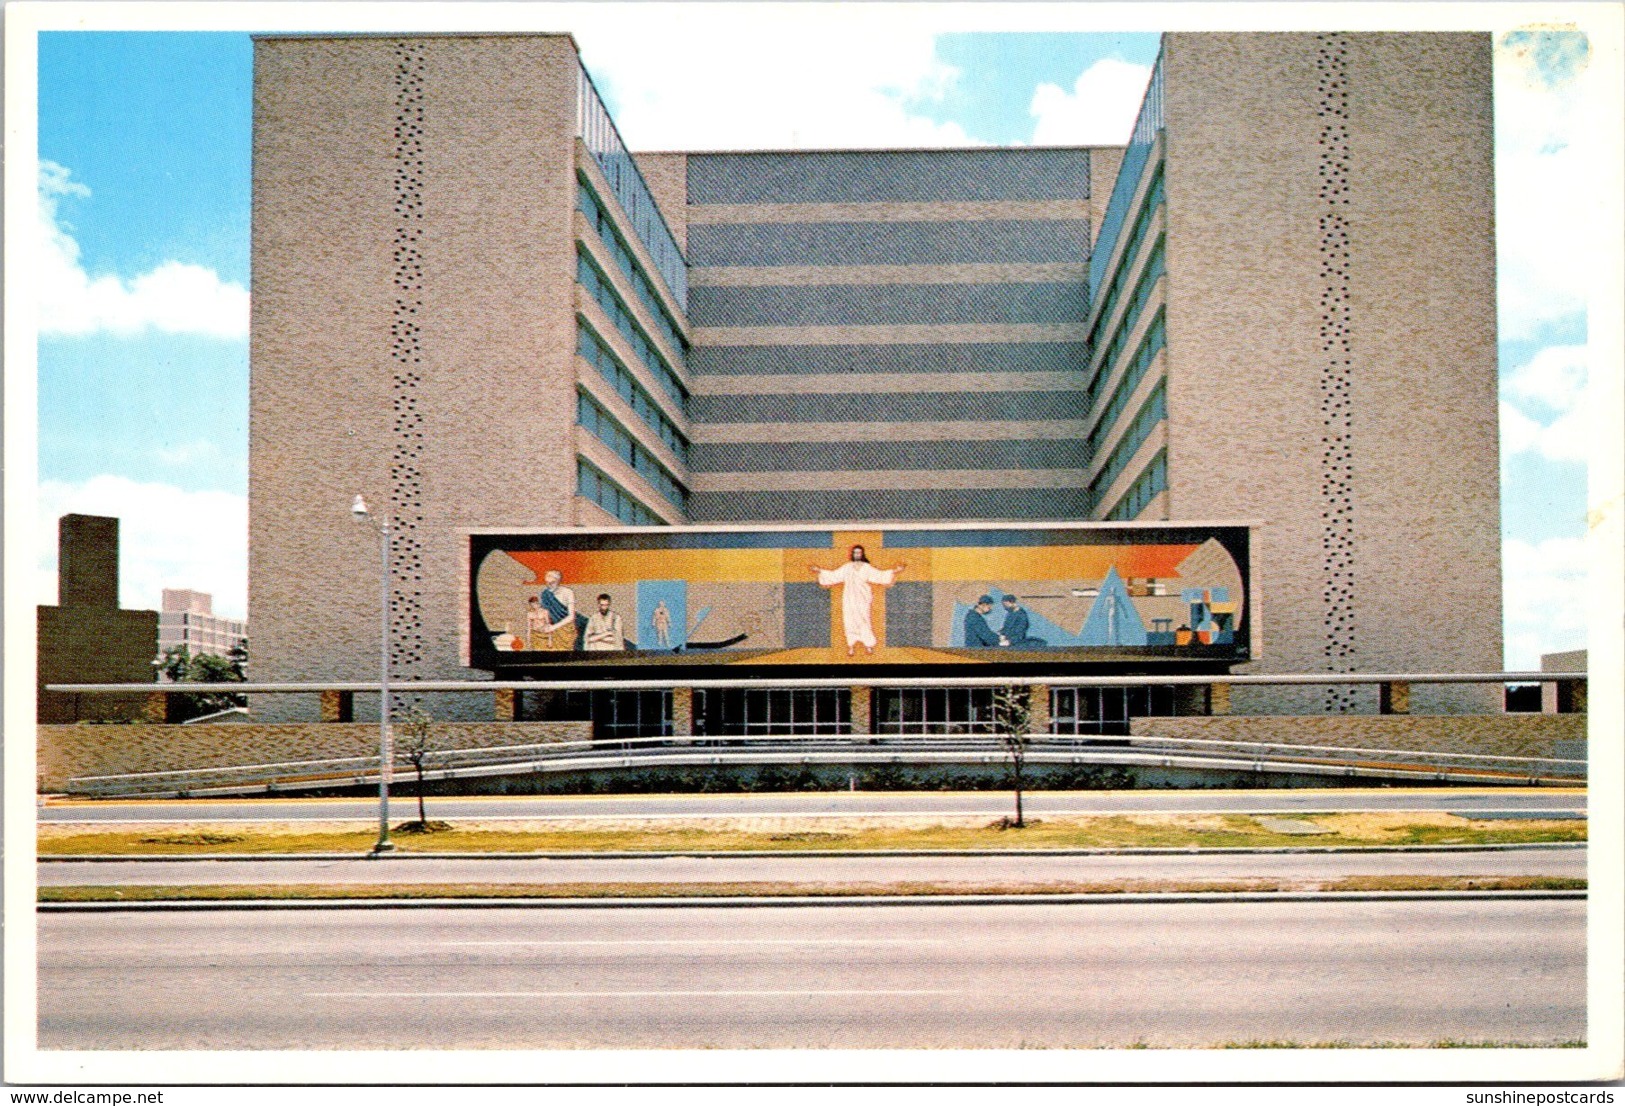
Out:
{"x": 871, "y": 595}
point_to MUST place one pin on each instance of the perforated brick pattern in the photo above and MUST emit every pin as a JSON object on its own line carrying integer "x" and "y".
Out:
{"x": 406, "y": 648}
{"x": 1339, "y": 648}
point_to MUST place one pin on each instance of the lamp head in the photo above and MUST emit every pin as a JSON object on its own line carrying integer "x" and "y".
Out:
{"x": 359, "y": 508}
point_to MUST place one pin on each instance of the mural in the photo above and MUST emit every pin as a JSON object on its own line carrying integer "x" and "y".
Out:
{"x": 892, "y": 595}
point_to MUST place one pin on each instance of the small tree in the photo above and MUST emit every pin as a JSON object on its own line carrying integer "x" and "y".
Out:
{"x": 416, "y": 728}
{"x": 1013, "y": 723}
{"x": 182, "y": 666}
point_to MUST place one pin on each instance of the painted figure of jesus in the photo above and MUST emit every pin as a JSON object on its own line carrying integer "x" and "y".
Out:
{"x": 857, "y": 597}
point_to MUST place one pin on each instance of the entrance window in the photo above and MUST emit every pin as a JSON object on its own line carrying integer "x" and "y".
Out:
{"x": 933, "y": 710}
{"x": 1106, "y": 710}
{"x": 613, "y": 714}
{"x": 748, "y": 712}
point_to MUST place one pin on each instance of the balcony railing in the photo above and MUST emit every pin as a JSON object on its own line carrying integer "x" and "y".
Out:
{"x": 603, "y": 141}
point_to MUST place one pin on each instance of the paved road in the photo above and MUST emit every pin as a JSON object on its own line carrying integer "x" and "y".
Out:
{"x": 688, "y": 869}
{"x": 910, "y": 976}
{"x": 834, "y": 803}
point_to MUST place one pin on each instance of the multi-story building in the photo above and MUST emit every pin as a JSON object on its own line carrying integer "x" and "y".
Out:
{"x": 1277, "y": 304}
{"x": 187, "y": 621}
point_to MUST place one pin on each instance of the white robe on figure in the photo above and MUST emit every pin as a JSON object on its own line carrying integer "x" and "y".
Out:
{"x": 857, "y": 597}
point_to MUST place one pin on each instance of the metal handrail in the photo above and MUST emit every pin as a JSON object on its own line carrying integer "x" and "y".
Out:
{"x": 629, "y": 750}
{"x": 856, "y": 679}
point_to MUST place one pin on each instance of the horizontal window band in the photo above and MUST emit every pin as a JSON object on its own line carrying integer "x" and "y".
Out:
{"x": 814, "y": 504}
{"x": 885, "y": 335}
{"x": 817, "y": 383}
{"x": 902, "y": 357}
{"x": 747, "y": 276}
{"x": 889, "y": 176}
{"x": 866, "y": 404}
{"x": 991, "y": 242}
{"x": 894, "y": 479}
{"x": 938, "y": 453}
{"x": 977, "y": 430}
{"x": 962, "y": 211}
{"x": 888, "y": 305}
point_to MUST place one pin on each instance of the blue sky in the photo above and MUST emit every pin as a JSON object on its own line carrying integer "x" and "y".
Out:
{"x": 144, "y": 143}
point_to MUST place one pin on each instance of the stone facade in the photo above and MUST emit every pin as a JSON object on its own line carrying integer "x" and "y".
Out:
{"x": 1294, "y": 325}
{"x": 71, "y": 752}
{"x": 1510, "y": 735}
{"x": 1331, "y": 345}
{"x": 413, "y": 333}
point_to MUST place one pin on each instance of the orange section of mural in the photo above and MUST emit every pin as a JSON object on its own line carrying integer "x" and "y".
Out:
{"x": 1056, "y": 562}
{"x": 789, "y": 565}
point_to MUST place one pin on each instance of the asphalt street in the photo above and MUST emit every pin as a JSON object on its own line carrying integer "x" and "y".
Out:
{"x": 992, "y": 804}
{"x": 819, "y": 869}
{"x": 1107, "y": 974}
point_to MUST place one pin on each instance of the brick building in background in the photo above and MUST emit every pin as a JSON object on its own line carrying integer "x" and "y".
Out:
{"x": 86, "y": 638}
{"x": 187, "y": 620}
{"x": 1277, "y": 304}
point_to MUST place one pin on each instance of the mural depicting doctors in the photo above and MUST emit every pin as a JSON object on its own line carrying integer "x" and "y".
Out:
{"x": 561, "y": 630}
{"x": 857, "y": 578}
{"x": 710, "y": 596}
{"x": 605, "y": 630}
{"x": 1016, "y": 633}
{"x": 978, "y": 634}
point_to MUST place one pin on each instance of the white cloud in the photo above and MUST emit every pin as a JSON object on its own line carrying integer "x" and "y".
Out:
{"x": 1546, "y": 605}
{"x": 174, "y": 298}
{"x": 750, "y": 78}
{"x": 1099, "y": 111}
{"x": 1547, "y": 203}
{"x": 167, "y": 538}
{"x": 1542, "y": 408}
{"x": 1554, "y": 378}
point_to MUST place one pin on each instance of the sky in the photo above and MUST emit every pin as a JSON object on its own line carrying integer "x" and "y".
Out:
{"x": 143, "y": 217}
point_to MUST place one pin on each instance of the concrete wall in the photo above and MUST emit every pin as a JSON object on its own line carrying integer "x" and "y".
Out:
{"x": 1331, "y": 345}
{"x": 1507, "y": 735}
{"x": 66, "y": 752}
{"x": 413, "y": 334}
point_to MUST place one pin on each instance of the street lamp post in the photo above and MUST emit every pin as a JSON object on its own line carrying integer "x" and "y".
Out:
{"x": 386, "y": 744}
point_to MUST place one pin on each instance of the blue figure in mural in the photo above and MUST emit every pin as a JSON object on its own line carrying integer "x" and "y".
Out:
{"x": 1017, "y": 629}
{"x": 978, "y": 634}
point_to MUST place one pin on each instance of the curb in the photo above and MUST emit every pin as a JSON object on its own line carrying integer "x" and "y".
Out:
{"x": 826, "y": 854}
{"x": 1172, "y": 898}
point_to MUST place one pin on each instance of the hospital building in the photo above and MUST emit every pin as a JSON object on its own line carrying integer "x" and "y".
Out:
{"x": 1273, "y": 307}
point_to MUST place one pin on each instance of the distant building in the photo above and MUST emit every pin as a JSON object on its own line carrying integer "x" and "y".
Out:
{"x": 1565, "y": 696}
{"x": 188, "y": 620}
{"x": 86, "y": 638}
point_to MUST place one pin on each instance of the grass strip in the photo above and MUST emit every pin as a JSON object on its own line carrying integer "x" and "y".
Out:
{"x": 782, "y": 889}
{"x": 738, "y": 835}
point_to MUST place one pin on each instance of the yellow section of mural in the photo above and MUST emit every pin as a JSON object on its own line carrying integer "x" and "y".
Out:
{"x": 628, "y": 566}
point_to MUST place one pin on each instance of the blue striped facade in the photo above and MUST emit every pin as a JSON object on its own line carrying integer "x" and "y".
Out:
{"x": 950, "y": 236}
{"x": 907, "y": 176}
{"x": 982, "y": 242}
